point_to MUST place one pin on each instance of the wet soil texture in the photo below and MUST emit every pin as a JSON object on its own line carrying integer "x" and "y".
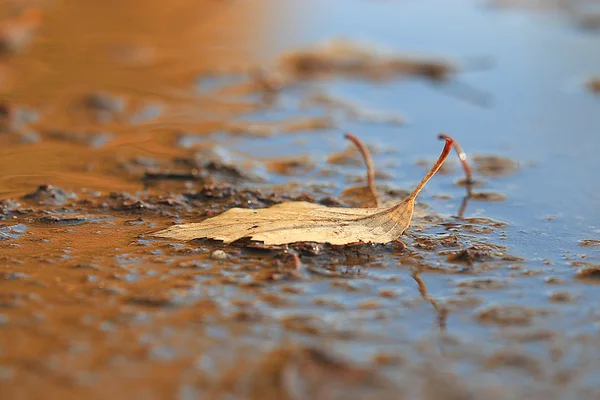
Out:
{"x": 118, "y": 119}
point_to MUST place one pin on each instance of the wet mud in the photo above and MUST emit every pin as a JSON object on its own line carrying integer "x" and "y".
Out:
{"x": 118, "y": 120}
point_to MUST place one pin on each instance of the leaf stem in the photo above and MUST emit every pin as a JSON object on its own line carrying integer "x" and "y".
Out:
{"x": 435, "y": 168}
{"x": 463, "y": 159}
{"x": 369, "y": 162}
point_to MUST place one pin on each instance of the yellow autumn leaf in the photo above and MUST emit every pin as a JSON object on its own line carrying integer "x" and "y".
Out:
{"x": 306, "y": 222}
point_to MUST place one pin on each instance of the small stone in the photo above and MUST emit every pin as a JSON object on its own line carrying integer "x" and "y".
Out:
{"x": 219, "y": 255}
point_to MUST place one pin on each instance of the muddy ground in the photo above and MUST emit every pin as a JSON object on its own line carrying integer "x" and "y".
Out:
{"x": 120, "y": 119}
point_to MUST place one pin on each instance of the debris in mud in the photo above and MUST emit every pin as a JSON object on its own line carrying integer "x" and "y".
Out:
{"x": 8, "y": 232}
{"x": 349, "y": 156}
{"x": 207, "y": 165}
{"x": 301, "y": 221}
{"x": 63, "y": 220}
{"x": 483, "y": 283}
{"x": 478, "y": 230}
{"x": 561, "y": 296}
{"x": 289, "y": 166}
{"x": 590, "y": 272}
{"x": 433, "y": 242}
{"x": 201, "y": 170}
{"x": 337, "y": 271}
{"x": 138, "y": 166}
{"x": 128, "y": 202}
{"x": 355, "y": 60}
{"x": 487, "y": 196}
{"x": 343, "y": 58}
{"x": 495, "y": 166}
{"x": 224, "y": 196}
{"x": 8, "y": 208}
{"x": 590, "y": 243}
{"x": 307, "y": 325}
{"x": 514, "y": 360}
{"x": 221, "y": 191}
{"x": 159, "y": 300}
{"x": 508, "y": 314}
{"x": 553, "y": 280}
{"x": 486, "y": 222}
{"x": 480, "y": 252}
{"x": 48, "y": 195}
{"x": 219, "y": 166}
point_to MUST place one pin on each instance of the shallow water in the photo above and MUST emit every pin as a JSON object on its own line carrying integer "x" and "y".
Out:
{"x": 92, "y": 306}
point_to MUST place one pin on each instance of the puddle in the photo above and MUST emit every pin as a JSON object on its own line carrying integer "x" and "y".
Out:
{"x": 119, "y": 120}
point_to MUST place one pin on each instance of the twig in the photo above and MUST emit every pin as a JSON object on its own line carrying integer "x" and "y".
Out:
{"x": 369, "y": 162}
{"x": 442, "y": 313}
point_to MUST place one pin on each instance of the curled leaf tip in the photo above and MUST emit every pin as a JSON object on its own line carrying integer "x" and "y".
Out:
{"x": 445, "y": 136}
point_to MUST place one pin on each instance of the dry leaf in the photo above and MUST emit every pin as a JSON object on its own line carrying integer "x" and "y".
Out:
{"x": 306, "y": 222}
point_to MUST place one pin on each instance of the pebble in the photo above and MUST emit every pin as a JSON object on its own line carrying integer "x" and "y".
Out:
{"x": 219, "y": 255}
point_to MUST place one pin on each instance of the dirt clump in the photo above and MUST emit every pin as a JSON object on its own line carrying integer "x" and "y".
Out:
{"x": 495, "y": 166}
{"x": 48, "y": 195}
{"x": 589, "y": 273}
{"x": 480, "y": 252}
{"x": 508, "y": 314}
